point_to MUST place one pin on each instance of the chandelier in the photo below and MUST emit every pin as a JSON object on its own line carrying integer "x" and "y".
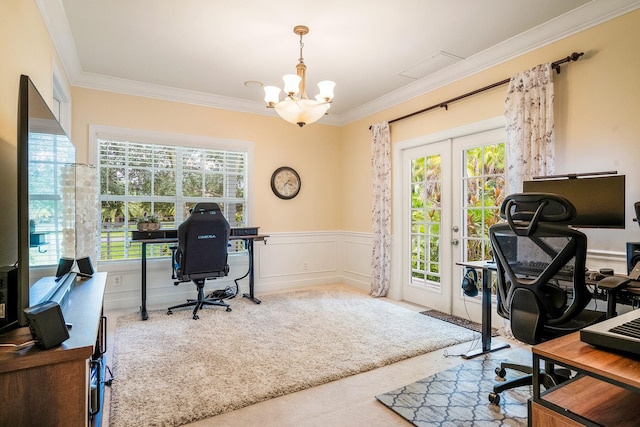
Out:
{"x": 296, "y": 107}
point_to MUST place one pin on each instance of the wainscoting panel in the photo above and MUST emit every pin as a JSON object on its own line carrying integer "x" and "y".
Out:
{"x": 124, "y": 283}
{"x": 285, "y": 256}
{"x": 356, "y": 269}
{"x": 286, "y": 261}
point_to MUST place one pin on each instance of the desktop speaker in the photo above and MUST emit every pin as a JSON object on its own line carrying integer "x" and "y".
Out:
{"x": 64, "y": 266}
{"x": 85, "y": 266}
{"x": 633, "y": 255}
{"x": 470, "y": 282}
{"x": 47, "y": 324}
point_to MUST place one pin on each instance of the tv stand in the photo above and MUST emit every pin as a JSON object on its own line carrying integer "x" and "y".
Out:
{"x": 53, "y": 387}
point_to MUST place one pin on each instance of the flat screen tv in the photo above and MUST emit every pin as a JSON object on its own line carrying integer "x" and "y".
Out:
{"x": 599, "y": 200}
{"x": 43, "y": 151}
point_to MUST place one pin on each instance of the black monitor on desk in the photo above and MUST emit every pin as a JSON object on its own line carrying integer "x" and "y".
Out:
{"x": 599, "y": 199}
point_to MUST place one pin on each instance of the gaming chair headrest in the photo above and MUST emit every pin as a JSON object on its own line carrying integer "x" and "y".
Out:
{"x": 205, "y": 207}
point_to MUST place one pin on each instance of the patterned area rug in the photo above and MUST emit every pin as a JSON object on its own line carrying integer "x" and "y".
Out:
{"x": 459, "y": 397}
{"x": 465, "y": 323}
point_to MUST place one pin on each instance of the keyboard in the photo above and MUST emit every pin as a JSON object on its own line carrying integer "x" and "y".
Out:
{"x": 620, "y": 333}
{"x": 536, "y": 268}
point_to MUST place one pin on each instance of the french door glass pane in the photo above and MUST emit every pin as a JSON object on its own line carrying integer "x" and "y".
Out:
{"x": 484, "y": 191}
{"x": 426, "y": 211}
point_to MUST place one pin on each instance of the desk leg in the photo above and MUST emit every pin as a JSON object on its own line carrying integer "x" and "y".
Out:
{"x": 249, "y": 243}
{"x": 486, "y": 319}
{"x": 143, "y": 307}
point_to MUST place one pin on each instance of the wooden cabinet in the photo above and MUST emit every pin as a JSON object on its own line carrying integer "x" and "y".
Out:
{"x": 52, "y": 387}
{"x": 605, "y": 392}
{"x": 543, "y": 416}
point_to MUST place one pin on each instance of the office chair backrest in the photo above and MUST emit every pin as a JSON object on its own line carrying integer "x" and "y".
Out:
{"x": 532, "y": 250}
{"x": 202, "y": 243}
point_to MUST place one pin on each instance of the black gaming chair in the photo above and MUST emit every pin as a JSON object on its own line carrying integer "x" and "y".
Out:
{"x": 541, "y": 289}
{"x": 201, "y": 253}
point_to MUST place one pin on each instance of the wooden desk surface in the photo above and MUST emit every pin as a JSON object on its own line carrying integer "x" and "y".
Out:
{"x": 170, "y": 238}
{"x": 83, "y": 310}
{"x": 571, "y": 351}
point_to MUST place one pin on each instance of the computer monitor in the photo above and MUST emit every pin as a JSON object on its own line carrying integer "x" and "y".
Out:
{"x": 599, "y": 200}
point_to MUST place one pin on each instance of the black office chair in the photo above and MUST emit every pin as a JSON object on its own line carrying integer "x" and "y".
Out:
{"x": 201, "y": 253}
{"x": 541, "y": 289}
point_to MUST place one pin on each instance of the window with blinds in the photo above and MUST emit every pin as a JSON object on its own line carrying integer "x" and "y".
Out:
{"x": 140, "y": 179}
{"x": 48, "y": 155}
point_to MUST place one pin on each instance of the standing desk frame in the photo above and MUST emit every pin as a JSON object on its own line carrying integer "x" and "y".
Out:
{"x": 487, "y": 268}
{"x": 171, "y": 236}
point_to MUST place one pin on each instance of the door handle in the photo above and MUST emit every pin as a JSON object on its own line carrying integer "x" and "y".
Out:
{"x": 455, "y": 242}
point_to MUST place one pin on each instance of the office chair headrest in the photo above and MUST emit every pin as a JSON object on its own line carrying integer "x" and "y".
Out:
{"x": 523, "y": 211}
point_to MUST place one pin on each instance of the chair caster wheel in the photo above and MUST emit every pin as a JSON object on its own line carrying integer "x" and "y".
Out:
{"x": 196, "y": 317}
{"x": 501, "y": 372}
{"x": 228, "y": 308}
{"x": 494, "y": 398}
{"x": 169, "y": 312}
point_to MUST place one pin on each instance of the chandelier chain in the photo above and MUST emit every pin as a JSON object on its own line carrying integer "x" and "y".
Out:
{"x": 301, "y": 59}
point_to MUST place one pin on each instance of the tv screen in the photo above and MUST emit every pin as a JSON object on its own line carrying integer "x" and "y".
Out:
{"x": 43, "y": 152}
{"x": 599, "y": 200}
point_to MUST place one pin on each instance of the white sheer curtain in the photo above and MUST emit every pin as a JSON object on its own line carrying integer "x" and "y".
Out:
{"x": 529, "y": 123}
{"x": 381, "y": 210}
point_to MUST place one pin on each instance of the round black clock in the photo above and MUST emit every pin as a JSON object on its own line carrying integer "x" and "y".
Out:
{"x": 285, "y": 183}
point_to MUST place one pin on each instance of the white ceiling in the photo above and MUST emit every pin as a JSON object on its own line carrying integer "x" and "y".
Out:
{"x": 379, "y": 52}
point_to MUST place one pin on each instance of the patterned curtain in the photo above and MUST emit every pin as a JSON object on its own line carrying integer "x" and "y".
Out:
{"x": 530, "y": 131}
{"x": 381, "y": 210}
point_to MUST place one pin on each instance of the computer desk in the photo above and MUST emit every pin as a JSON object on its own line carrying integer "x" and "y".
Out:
{"x": 171, "y": 236}
{"x": 487, "y": 268}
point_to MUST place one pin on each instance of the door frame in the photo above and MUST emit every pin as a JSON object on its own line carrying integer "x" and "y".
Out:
{"x": 395, "y": 289}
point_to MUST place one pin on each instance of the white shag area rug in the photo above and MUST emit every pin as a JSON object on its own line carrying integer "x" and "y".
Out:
{"x": 172, "y": 370}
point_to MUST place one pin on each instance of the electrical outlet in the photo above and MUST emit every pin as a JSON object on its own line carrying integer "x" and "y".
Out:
{"x": 117, "y": 280}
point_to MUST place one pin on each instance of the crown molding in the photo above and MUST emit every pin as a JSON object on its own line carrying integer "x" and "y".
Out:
{"x": 582, "y": 18}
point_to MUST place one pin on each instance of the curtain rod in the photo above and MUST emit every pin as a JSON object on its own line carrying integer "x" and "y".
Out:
{"x": 445, "y": 104}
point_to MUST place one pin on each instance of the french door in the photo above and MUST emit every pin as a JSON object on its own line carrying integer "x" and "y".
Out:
{"x": 451, "y": 194}
{"x": 426, "y": 233}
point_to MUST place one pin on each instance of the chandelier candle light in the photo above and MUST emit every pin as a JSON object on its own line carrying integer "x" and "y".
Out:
{"x": 296, "y": 107}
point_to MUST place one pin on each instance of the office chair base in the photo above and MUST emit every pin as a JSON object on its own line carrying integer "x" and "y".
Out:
{"x": 199, "y": 303}
{"x": 198, "y": 306}
{"x": 549, "y": 377}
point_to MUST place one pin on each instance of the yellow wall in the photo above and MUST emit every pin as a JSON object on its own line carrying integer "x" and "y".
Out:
{"x": 597, "y": 125}
{"x": 312, "y": 150}
{"x": 597, "y": 113}
{"x": 25, "y": 48}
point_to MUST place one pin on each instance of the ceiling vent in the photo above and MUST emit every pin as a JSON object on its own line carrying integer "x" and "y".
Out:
{"x": 435, "y": 62}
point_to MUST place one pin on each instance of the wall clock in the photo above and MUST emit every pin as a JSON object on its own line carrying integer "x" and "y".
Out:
{"x": 285, "y": 183}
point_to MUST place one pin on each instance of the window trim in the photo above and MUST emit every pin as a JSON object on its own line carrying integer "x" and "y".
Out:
{"x": 61, "y": 94}
{"x": 178, "y": 140}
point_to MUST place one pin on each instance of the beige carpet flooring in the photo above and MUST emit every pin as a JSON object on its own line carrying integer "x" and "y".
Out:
{"x": 172, "y": 370}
